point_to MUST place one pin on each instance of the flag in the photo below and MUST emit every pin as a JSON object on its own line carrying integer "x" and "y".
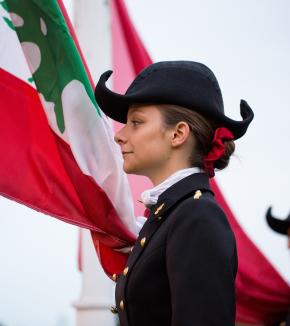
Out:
{"x": 58, "y": 155}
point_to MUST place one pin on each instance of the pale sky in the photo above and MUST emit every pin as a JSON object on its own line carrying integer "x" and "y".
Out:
{"x": 246, "y": 44}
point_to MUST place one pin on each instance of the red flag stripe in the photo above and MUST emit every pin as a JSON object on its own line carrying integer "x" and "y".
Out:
{"x": 54, "y": 186}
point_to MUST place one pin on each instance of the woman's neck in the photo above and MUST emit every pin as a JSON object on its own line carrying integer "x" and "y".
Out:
{"x": 159, "y": 176}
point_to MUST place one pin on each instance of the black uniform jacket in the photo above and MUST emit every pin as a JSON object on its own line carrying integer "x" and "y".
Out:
{"x": 182, "y": 269}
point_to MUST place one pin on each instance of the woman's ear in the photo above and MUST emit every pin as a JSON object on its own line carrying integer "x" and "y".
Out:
{"x": 180, "y": 134}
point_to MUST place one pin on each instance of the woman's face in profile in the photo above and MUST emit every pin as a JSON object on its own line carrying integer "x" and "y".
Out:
{"x": 144, "y": 142}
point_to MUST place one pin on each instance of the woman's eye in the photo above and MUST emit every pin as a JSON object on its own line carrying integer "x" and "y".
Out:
{"x": 135, "y": 122}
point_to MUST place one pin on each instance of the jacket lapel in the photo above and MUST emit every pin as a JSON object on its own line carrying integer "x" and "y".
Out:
{"x": 160, "y": 211}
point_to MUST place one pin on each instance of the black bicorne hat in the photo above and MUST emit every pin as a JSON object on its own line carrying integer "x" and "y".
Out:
{"x": 184, "y": 83}
{"x": 280, "y": 226}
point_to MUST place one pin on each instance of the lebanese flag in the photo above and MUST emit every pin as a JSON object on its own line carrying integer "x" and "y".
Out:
{"x": 58, "y": 153}
{"x": 263, "y": 296}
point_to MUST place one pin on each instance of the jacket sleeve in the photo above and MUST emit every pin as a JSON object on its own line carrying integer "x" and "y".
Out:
{"x": 201, "y": 265}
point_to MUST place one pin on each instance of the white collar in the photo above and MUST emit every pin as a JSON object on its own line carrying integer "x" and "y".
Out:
{"x": 150, "y": 197}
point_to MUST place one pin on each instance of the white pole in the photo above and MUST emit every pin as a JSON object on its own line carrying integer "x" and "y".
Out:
{"x": 92, "y": 26}
{"x": 97, "y": 295}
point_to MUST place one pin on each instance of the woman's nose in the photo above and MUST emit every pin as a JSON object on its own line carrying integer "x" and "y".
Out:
{"x": 119, "y": 137}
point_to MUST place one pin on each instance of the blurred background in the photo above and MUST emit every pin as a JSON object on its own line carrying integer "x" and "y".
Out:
{"x": 246, "y": 44}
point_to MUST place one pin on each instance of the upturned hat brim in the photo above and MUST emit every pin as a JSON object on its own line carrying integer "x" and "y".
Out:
{"x": 205, "y": 99}
{"x": 280, "y": 226}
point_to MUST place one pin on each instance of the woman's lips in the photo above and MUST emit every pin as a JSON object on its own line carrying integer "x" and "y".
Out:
{"x": 125, "y": 153}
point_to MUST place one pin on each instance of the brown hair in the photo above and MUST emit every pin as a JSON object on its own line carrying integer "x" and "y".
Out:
{"x": 202, "y": 130}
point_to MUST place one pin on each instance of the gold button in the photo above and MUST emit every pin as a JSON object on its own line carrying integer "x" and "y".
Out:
{"x": 122, "y": 306}
{"x": 113, "y": 310}
{"x": 125, "y": 271}
{"x": 158, "y": 209}
{"x": 197, "y": 194}
{"x": 159, "y": 218}
{"x": 114, "y": 277}
{"x": 142, "y": 241}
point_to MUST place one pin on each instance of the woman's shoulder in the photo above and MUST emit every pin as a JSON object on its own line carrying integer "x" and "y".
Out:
{"x": 202, "y": 219}
{"x": 200, "y": 209}
{"x": 199, "y": 200}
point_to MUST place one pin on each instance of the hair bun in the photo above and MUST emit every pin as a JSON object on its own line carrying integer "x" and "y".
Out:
{"x": 224, "y": 160}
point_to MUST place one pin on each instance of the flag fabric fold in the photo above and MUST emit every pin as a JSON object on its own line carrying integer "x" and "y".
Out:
{"x": 60, "y": 156}
{"x": 129, "y": 57}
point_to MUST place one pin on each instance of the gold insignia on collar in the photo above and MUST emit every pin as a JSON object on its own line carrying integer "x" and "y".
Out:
{"x": 125, "y": 271}
{"x": 197, "y": 194}
{"x": 158, "y": 209}
{"x": 114, "y": 310}
{"x": 143, "y": 241}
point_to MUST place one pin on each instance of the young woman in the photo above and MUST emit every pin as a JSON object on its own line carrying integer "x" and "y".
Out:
{"x": 182, "y": 269}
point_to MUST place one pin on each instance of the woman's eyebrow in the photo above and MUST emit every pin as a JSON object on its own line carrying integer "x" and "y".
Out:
{"x": 137, "y": 113}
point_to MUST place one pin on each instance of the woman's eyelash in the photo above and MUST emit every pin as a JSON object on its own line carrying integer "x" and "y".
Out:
{"x": 135, "y": 122}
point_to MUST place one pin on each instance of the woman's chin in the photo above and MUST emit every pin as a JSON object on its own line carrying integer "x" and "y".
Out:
{"x": 129, "y": 169}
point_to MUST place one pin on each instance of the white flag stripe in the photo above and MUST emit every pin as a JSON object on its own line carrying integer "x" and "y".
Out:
{"x": 12, "y": 58}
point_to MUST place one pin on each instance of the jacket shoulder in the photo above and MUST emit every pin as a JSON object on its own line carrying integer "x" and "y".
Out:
{"x": 205, "y": 207}
{"x": 201, "y": 263}
{"x": 200, "y": 216}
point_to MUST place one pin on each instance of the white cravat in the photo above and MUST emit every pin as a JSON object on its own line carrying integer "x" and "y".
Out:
{"x": 150, "y": 197}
